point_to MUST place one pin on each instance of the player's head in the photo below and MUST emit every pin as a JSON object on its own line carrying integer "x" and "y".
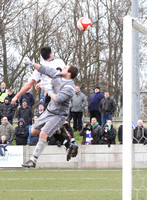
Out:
{"x": 73, "y": 70}
{"x": 69, "y": 72}
{"x": 46, "y": 52}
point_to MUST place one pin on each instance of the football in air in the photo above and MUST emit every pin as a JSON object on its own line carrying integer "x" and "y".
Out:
{"x": 84, "y": 24}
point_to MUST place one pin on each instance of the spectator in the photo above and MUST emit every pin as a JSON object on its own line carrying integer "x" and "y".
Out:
{"x": 29, "y": 98}
{"x": 107, "y": 136}
{"x": 25, "y": 112}
{"x": 69, "y": 116}
{"x": 40, "y": 110}
{"x": 7, "y": 129}
{"x": 10, "y": 94}
{"x": 106, "y": 107}
{"x": 95, "y": 129}
{"x": 139, "y": 133}
{"x": 21, "y": 133}
{"x": 120, "y": 133}
{"x": 3, "y": 140}
{"x": 86, "y": 134}
{"x": 113, "y": 131}
{"x": 56, "y": 139}
{"x": 3, "y": 95}
{"x": 7, "y": 110}
{"x": 33, "y": 139}
{"x": 77, "y": 107}
{"x": 3, "y": 92}
{"x": 93, "y": 106}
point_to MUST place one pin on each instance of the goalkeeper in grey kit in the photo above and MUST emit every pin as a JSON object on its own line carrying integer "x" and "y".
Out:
{"x": 63, "y": 89}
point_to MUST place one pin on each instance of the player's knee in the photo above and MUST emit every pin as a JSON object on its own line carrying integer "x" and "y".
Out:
{"x": 43, "y": 135}
{"x": 35, "y": 131}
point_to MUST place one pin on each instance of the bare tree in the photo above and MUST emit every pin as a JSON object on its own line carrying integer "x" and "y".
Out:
{"x": 26, "y": 27}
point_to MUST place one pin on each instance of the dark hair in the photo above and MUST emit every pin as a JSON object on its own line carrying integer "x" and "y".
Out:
{"x": 45, "y": 52}
{"x": 97, "y": 87}
{"x": 73, "y": 70}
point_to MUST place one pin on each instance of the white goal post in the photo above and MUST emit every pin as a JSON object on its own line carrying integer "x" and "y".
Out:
{"x": 128, "y": 24}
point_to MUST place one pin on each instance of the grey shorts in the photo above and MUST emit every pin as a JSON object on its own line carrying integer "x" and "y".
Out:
{"x": 49, "y": 123}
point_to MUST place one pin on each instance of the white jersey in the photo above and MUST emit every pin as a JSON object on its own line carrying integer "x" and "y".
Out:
{"x": 45, "y": 80}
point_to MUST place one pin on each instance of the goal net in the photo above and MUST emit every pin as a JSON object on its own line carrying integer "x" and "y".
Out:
{"x": 134, "y": 184}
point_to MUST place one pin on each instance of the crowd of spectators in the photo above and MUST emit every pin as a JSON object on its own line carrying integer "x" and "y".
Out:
{"x": 99, "y": 129}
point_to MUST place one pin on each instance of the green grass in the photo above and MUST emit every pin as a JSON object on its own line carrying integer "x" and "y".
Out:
{"x": 70, "y": 184}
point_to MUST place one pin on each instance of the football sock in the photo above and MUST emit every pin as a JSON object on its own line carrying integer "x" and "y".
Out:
{"x": 38, "y": 149}
{"x": 66, "y": 143}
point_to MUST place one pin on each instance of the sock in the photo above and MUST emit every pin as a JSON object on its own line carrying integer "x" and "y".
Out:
{"x": 72, "y": 140}
{"x": 38, "y": 149}
{"x": 66, "y": 143}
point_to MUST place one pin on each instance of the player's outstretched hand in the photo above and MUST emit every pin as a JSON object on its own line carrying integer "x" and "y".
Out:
{"x": 27, "y": 61}
{"x": 14, "y": 100}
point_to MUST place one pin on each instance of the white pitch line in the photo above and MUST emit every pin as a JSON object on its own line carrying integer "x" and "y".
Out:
{"x": 68, "y": 190}
{"x": 67, "y": 170}
{"x": 50, "y": 178}
{"x": 59, "y": 170}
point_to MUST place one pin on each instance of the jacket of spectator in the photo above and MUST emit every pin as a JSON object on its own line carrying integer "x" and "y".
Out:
{"x": 120, "y": 131}
{"x": 10, "y": 95}
{"x": 21, "y": 133}
{"x": 140, "y": 135}
{"x": 107, "y": 106}
{"x": 113, "y": 131}
{"x": 7, "y": 130}
{"x": 94, "y": 101}
{"x": 96, "y": 133}
{"x": 7, "y": 109}
{"x": 29, "y": 97}
{"x": 107, "y": 135}
{"x": 113, "y": 134}
{"x": 33, "y": 138}
{"x": 78, "y": 102}
{"x": 25, "y": 113}
{"x": 3, "y": 94}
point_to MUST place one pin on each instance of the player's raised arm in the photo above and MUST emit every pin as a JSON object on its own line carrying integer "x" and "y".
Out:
{"x": 48, "y": 71}
{"x": 23, "y": 90}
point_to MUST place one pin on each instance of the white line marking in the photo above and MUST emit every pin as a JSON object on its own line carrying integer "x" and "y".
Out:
{"x": 3, "y": 179}
{"x": 71, "y": 190}
{"x": 67, "y": 170}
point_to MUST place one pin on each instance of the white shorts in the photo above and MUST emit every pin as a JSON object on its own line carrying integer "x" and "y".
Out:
{"x": 49, "y": 123}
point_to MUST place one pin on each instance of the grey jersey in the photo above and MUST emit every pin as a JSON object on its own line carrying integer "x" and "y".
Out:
{"x": 64, "y": 90}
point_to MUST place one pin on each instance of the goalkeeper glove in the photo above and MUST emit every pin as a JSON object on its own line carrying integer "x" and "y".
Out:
{"x": 27, "y": 61}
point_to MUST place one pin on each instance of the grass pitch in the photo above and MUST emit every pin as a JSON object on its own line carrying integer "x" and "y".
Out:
{"x": 68, "y": 184}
